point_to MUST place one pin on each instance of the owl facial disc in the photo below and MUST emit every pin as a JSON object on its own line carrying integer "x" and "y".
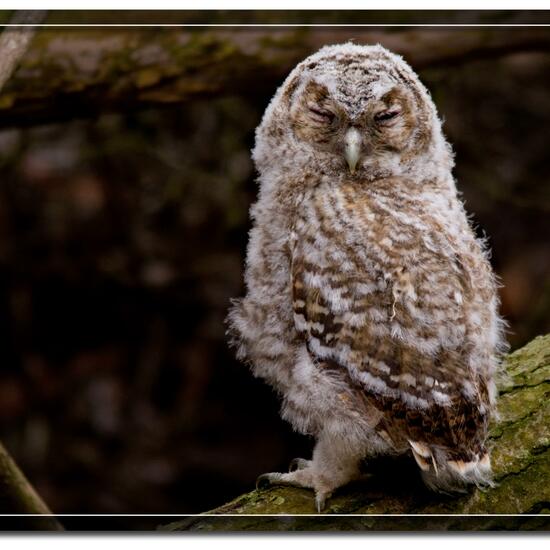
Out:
{"x": 352, "y": 147}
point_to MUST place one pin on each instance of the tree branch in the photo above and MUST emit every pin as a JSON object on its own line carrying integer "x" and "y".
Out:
{"x": 14, "y": 42}
{"x": 17, "y": 496}
{"x": 84, "y": 72}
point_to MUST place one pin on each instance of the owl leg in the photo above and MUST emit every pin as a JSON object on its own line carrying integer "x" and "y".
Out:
{"x": 335, "y": 463}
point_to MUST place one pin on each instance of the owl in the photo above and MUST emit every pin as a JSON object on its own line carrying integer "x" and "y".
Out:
{"x": 371, "y": 307}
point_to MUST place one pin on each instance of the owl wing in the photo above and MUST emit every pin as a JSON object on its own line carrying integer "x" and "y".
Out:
{"x": 348, "y": 324}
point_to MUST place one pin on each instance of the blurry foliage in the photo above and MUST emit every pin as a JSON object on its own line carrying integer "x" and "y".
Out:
{"x": 122, "y": 241}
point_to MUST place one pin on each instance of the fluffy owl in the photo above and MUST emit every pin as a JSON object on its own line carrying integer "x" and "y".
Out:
{"x": 371, "y": 307}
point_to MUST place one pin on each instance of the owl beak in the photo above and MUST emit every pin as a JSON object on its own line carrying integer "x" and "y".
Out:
{"x": 352, "y": 148}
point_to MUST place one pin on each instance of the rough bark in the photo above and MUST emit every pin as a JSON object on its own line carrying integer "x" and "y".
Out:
{"x": 520, "y": 442}
{"x": 15, "y": 41}
{"x": 82, "y": 72}
{"x": 17, "y": 496}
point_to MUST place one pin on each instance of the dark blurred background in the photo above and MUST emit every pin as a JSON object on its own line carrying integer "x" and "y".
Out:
{"x": 122, "y": 239}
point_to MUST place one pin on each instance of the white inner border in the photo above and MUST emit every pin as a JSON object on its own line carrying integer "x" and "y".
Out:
{"x": 359, "y": 5}
{"x": 327, "y": 515}
{"x": 344, "y": 3}
{"x": 282, "y": 25}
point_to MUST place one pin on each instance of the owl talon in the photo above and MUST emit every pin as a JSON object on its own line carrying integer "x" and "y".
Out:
{"x": 298, "y": 464}
{"x": 267, "y": 480}
{"x": 320, "y": 501}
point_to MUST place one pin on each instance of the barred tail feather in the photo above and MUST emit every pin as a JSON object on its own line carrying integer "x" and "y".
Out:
{"x": 442, "y": 472}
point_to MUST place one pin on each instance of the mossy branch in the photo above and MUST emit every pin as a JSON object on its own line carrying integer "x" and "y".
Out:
{"x": 520, "y": 442}
{"x": 82, "y": 72}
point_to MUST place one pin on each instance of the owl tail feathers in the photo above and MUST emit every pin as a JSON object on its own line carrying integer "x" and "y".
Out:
{"x": 442, "y": 471}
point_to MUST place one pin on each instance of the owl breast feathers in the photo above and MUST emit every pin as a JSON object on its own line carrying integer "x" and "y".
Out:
{"x": 371, "y": 307}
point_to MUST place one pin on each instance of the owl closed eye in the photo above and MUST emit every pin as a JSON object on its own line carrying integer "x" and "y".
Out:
{"x": 316, "y": 117}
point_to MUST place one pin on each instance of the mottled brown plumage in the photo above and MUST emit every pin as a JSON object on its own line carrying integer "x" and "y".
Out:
{"x": 371, "y": 307}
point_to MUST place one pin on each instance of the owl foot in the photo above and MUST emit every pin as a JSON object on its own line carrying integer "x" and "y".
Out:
{"x": 302, "y": 477}
{"x": 333, "y": 466}
{"x": 298, "y": 464}
{"x": 291, "y": 480}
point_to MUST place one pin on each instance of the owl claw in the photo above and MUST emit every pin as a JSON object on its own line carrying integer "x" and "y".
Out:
{"x": 320, "y": 501}
{"x": 298, "y": 464}
{"x": 267, "y": 480}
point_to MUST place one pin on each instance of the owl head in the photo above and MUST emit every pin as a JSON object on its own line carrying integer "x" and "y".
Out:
{"x": 351, "y": 111}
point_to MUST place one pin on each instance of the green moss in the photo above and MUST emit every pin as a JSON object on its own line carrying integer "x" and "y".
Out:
{"x": 530, "y": 365}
